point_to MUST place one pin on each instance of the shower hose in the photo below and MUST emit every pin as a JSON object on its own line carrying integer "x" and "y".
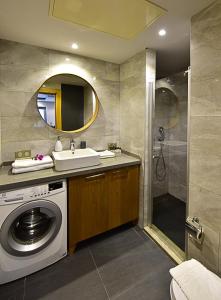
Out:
{"x": 160, "y": 165}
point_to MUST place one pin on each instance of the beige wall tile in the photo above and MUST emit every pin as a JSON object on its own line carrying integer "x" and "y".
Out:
{"x": 36, "y": 146}
{"x": 23, "y": 129}
{"x": 205, "y": 162}
{"x": 205, "y": 132}
{"x": 83, "y": 66}
{"x": 206, "y": 26}
{"x": 16, "y": 104}
{"x": 205, "y": 99}
{"x": 208, "y": 252}
{"x": 206, "y": 206}
{"x": 23, "y": 69}
{"x": 22, "y": 78}
{"x": 12, "y": 53}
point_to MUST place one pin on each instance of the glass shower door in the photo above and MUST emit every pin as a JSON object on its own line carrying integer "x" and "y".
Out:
{"x": 169, "y": 167}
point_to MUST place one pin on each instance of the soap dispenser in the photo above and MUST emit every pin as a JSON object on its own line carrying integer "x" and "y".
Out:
{"x": 58, "y": 145}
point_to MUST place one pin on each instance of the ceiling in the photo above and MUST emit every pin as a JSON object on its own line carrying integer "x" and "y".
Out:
{"x": 108, "y": 16}
{"x": 28, "y": 21}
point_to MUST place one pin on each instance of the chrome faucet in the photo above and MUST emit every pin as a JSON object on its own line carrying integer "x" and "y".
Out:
{"x": 72, "y": 145}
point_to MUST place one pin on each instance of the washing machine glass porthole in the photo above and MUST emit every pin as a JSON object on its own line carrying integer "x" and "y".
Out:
{"x": 31, "y": 227}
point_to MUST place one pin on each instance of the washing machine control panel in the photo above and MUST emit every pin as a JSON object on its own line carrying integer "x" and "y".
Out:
{"x": 35, "y": 192}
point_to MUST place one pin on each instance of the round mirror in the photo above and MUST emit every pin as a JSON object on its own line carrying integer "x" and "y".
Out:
{"x": 67, "y": 102}
{"x": 166, "y": 107}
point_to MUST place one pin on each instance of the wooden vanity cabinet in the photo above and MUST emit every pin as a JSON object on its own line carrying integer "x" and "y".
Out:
{"x": 100, "y": 202}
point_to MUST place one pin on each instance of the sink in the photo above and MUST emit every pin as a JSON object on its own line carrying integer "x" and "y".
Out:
{"x": 81, "y": 158}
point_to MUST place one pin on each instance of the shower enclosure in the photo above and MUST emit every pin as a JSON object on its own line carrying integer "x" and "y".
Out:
{"x": 169, "y": 164}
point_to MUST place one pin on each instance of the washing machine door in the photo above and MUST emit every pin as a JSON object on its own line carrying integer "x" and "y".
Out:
{"x": 30, "y": 228}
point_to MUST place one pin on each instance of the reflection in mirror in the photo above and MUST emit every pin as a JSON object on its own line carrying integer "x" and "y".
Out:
{"x": 166, "y": 107}
{"x": 67, "y": 102}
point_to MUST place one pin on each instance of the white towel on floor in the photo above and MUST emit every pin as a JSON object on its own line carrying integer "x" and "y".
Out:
{"x": 26, "y": 163}
{"x": 31, "y": 169}
{"x": 106, "y": 154}
{"x": 196, "y": 281}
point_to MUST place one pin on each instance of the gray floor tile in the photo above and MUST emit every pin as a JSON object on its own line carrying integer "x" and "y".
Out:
{"x": 155, "y": 287}
{"x": 74, "y": 277}
{"x": 126, "y": 259}
{"x": 13, "y": 290}
{"x": 116, "y": 245}
{"x": 123, "y": 262}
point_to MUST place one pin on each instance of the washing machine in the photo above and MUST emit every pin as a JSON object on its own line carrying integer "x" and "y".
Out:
{"x": 33, "y": 229}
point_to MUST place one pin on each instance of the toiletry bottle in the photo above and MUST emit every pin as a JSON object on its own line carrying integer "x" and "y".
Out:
{"x": 58, "y": 145}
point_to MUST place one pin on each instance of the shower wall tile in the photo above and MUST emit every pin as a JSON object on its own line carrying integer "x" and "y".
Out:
{"x": 205, "y": 132}
{"x": 23, "y": 69}
{"x": 177, "y": 185}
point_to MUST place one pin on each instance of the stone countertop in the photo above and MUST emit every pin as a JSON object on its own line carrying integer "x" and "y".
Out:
{"x": 9, "y": 181}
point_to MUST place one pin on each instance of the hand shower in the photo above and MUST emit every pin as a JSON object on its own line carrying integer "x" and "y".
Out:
{"x": 161, "y": 138}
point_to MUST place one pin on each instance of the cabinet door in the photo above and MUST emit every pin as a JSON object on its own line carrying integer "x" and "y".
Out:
{"x": 88, "y": 213}
{"x": 123, "y": 196}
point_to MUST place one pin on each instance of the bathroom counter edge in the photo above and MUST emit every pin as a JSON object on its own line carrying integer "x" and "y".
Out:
{"x": 9, "y": 181}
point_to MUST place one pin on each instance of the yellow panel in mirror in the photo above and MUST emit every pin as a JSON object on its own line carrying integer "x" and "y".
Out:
{"x": 122, "y": 18}
{"x": 67, "y": 103}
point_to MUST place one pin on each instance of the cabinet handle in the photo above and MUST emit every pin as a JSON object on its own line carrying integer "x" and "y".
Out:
{"x": 95, "y": 177}
{"x": 120, "y": 173}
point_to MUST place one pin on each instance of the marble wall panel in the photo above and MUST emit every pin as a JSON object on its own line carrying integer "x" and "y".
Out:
{"x": 206, "y": 206}
{"x": 208, "y": 252}
{"x": 23, "y": 69}
{"x": 132, "y": 104}
{"x": 132, "y": 111}
{"x": 205, "y": 124}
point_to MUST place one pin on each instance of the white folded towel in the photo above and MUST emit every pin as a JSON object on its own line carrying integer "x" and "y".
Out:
{"x": 31, "y": 169}
{"x": 196, "y": 281}
{"x": 26, "y": 163}
{"x": 106, "y": 154}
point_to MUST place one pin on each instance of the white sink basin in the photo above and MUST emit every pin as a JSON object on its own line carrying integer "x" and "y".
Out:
{"x": 66, "y": 160}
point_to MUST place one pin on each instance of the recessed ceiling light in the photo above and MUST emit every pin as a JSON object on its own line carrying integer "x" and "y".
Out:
{"x": 74, "y": 46}
{"x": 67, "y": 59}
{"x": 162, "y": 32}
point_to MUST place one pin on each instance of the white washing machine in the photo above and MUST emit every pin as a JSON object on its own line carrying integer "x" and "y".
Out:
{"x": 33, "y": 229}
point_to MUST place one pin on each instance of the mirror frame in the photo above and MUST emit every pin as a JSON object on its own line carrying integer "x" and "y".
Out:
{"x": 92, "y": 119}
